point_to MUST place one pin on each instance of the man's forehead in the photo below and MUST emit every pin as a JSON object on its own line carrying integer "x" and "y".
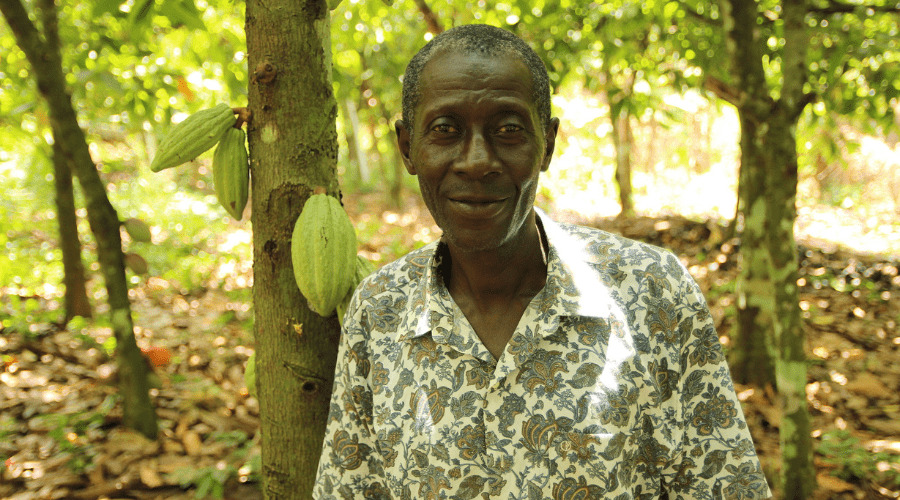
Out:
{"x": 443, "y": 56}
{"x": 451, "y": 62}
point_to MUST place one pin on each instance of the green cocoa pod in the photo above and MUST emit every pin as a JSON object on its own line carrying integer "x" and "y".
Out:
{"x": 193, "y": 136}
{"x": 323, "y": 253}
{"x": 231, "y": 172}
{"x": 137, "y": 229}
{"x": 364, "y": 267}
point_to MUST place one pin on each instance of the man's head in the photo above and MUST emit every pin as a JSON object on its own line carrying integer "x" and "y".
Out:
{"x": 479, "y": 39}
{"x": 479, "y": 137}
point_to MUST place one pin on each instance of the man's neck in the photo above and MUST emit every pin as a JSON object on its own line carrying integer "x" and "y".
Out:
{"x": 496, "y": 277}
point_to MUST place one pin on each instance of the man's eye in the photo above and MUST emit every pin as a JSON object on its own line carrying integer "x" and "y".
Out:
{"x": 509, "y": 128}
{"x": 444, "y": 128}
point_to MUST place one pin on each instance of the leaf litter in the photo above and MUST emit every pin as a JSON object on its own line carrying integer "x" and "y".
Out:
{"x": 60, "y": 418}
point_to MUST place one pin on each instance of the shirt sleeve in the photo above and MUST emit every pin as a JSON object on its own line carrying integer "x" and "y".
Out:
{"x": 717, "y": 458}
{"x": 350, "y": 466}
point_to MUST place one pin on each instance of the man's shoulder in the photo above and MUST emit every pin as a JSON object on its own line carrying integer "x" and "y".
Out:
{"x": 407, "y": 271}
{"x": 598, "y": 246}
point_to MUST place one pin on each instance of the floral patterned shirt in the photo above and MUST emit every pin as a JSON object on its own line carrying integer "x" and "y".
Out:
{"x": 613, "y": 386}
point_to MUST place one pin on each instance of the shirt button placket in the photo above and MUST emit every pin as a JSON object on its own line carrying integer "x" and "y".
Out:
{"x": 493, "y": 399}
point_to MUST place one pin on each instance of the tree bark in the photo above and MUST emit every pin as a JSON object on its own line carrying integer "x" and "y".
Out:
{"x": 770, "y": 343}
{"x": 76, "y": 299}
{"x": 753, "y": 354}
{"x": 104, "y": 222}
{"x": 798, "y": 474}
{"x": 293, "y": 149}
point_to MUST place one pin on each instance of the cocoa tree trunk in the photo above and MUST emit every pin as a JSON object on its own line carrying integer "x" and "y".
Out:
{"x": 104, "y": 222}
{"x": 293, "y": 149}
{"x": 769, "y": 347}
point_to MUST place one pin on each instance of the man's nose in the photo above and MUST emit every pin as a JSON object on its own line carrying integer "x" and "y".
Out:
{"x": 479, "y": 158}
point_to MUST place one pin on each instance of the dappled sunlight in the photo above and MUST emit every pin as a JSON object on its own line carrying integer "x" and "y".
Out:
{"x": 690, "y": 168}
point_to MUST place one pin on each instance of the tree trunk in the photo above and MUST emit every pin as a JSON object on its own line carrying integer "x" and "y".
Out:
{"x": 790, "y": 368}
{"x": 623, "y": 140}
{"x": 356, "y": 153}
{"x": 293, "y": 149}
{"x": 76, "y": 299}
{"x": 753, "y": 353}
{"x": 399, "y": 171}
{"x": 770, "y": 339}
{"x": 622, "y": 136}
{"x": 104, "y": 222}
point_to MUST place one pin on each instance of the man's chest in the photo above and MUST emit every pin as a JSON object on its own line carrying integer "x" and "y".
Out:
{"x": 562, "y": 410}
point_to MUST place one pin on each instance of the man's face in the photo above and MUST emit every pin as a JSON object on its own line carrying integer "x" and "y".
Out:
{"x": 477, "y": 147}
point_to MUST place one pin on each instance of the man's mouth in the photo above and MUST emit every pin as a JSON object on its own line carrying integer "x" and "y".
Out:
{"x": 477, "y": 206}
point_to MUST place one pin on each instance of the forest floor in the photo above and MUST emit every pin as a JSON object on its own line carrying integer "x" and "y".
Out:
{"x": 60, "y": 432}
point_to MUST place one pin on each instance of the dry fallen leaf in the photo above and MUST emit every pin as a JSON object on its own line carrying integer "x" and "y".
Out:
{"x": 832, "y": 483}
{"x": 149, "y": 473}
{"x": 868, "y": 385}
{"x": 192, "y": 443}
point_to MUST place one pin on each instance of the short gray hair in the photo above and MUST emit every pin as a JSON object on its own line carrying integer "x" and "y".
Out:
{"x": 480, "y": 39}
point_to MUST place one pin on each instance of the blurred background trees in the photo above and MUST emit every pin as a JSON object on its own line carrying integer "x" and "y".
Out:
{"x": 736, "y": 110}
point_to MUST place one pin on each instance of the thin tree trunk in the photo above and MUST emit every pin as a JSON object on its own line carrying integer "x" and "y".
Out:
{"x": 769, "y": 326}
{"x": 623, "y": 139}
{"x": 357, "y": 153}
{"x": 76, "y": 298}
{"x": 104, "y": 222}
{"x": 396, "y": 187}
{"x": 293, "y": 149}
{"x": 790, "y": 367}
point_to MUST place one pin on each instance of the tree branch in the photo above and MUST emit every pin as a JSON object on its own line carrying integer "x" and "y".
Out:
{"x": 27, "y": 35}
{"x": 431, "y": 19}
{"x": 838, "y": 7}
{"x": 721, "y": 89}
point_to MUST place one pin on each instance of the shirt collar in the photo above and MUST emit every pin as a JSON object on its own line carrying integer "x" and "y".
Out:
{"x": 573, "y": 286}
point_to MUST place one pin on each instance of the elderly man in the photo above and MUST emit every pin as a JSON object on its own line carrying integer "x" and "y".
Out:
{"x": 518, "y": 357}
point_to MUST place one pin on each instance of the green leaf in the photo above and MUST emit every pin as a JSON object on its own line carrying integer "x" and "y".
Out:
{"x": 183, "y": 13}
{"x": 106, "y": 7}
{"x": 139, "y": 11}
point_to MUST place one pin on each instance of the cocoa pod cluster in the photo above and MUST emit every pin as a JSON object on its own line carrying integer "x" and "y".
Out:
{"x": 197, "y": 134}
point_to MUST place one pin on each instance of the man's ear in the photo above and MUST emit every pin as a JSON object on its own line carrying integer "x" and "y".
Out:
{"x": 550, "y": 142}
{"x": 403, "y": 142}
